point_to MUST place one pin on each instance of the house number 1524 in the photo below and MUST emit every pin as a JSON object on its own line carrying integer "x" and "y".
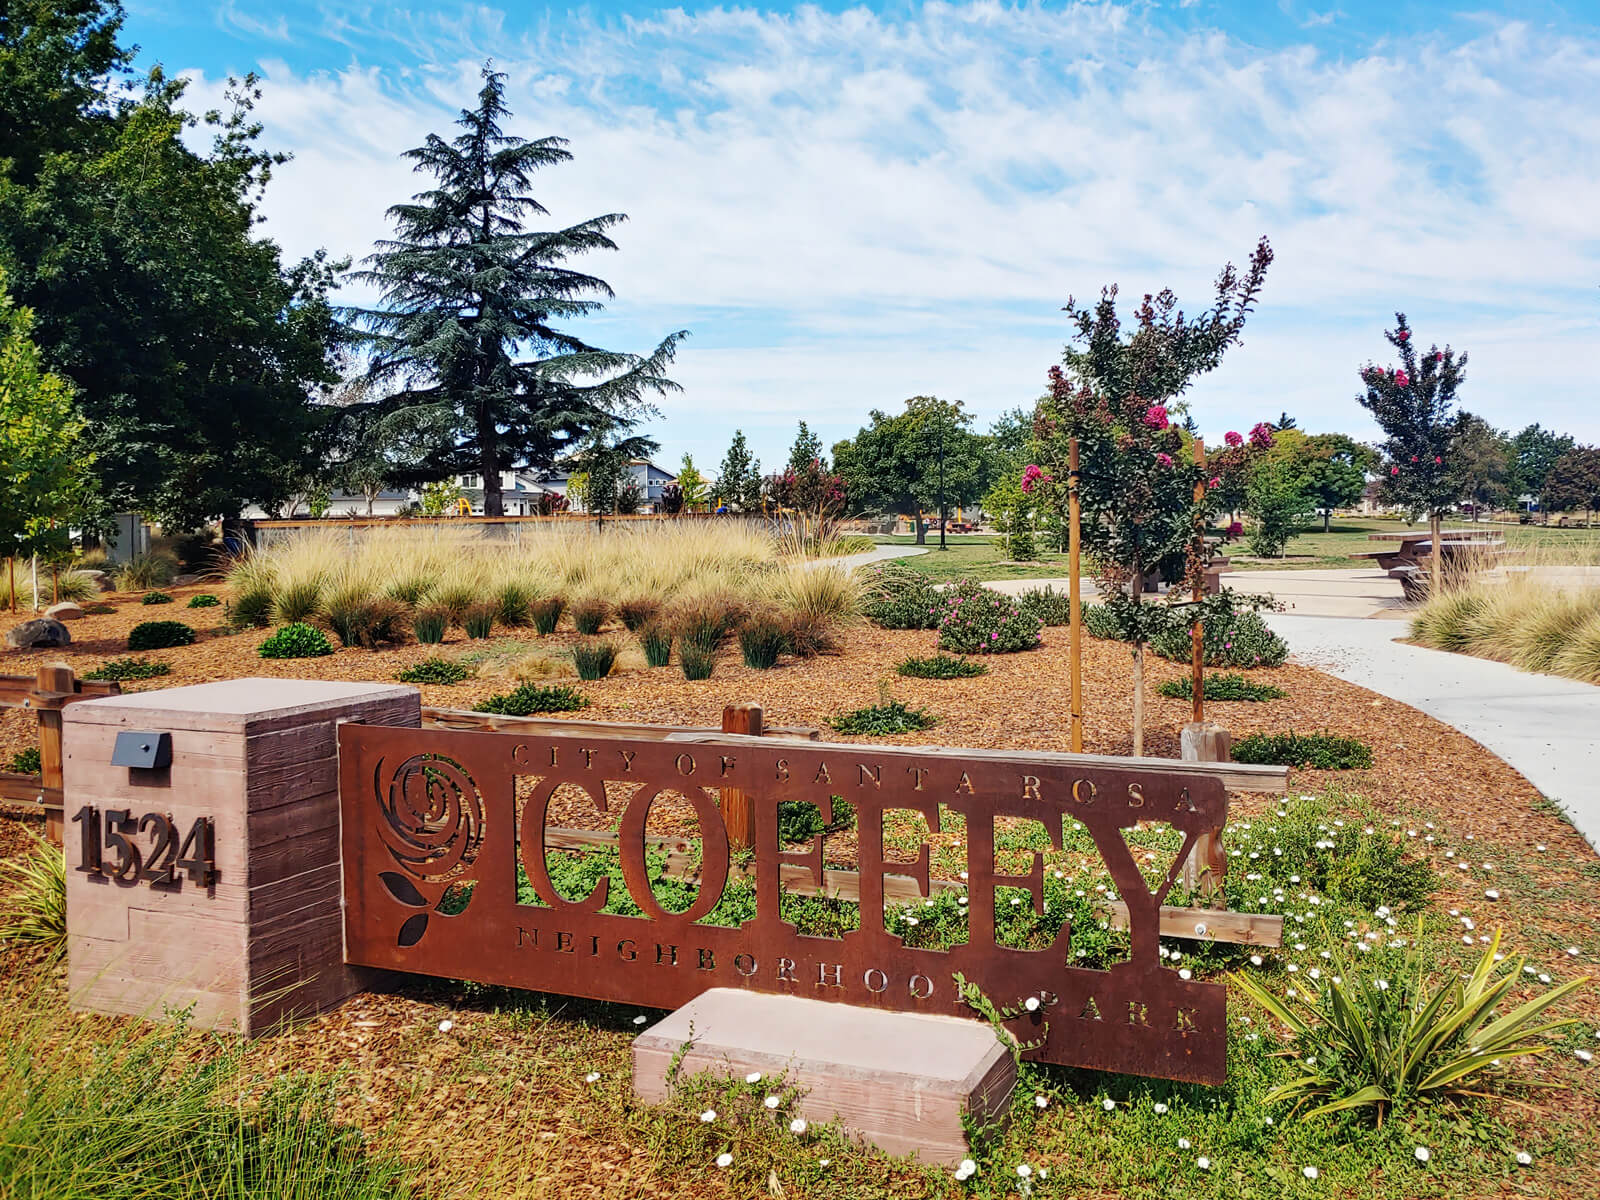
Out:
{"x": 119, "y": 832}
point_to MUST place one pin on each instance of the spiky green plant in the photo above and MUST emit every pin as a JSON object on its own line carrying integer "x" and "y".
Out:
{"x": 697, "y": 662}
{"x": 638, "y": 612}
{"x": 454, "y": 598}
{"x": 1580, "y": 658}
{"x": 478, "y": 620}
{"x": 594, "y": 660}
{"x": 546, "y": 614}
{"x": 429, "y": 624}
{"x": 1552, "y": 624}
{"x": 1444, "y": 621}
{"x": 298, "y": 600}
{"x": 411, "y": 588}
{"x": 512, "y": 604}
{"x": 655, "y": 640}
{"x": 589, "y": 615}
{"x": 761, "y": 640}
{"x": 1370, "y": 1041}
{"x": 37, "y": 906}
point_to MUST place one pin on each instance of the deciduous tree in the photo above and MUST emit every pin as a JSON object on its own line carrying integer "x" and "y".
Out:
{"x": 1574, "y": 482}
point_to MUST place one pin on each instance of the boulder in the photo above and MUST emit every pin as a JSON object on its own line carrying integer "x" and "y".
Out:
{"x": 65, "y": 611}
{"x": 184, "y": 581}
{"x": 43, "y": 631}
{"x": 101, "y": 579}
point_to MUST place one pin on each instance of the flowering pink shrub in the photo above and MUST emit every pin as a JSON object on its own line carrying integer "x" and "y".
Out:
{"x": 1232, "y": 438}
{"x": 1033, "y": 476}
{"x": 1156, "y": 416}
{"x": 1401, "y": 379}
{"x": 978, "y": 620}
{"x": 1261, "y": 435}
{"x": 1164, "y": 459}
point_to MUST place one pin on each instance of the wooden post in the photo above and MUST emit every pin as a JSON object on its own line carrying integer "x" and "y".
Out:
{"x": 1197, "y": 673}
{"x": 739, "y": 718}
{"x": 1435, "y": 532}
{"x": 1074, "y": 597}
{"x": 52, "y": 677}
{"x": 1206, "y": 741}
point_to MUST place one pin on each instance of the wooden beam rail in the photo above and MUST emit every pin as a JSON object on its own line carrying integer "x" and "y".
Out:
{"x": 460, "y": 718}
{"x": 49, "y": 691}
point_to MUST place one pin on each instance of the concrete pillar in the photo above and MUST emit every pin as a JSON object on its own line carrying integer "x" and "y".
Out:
{"x": 260, "y": 942}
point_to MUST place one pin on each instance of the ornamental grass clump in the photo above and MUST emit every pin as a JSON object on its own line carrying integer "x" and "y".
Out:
{"x": 546, "y": 614}
{"x": 941, "y": 666}
{"x": 1385, "y": 1036}
{"x": 761, "y": 641}
{"x": 589, "y": 615}
{"x": 297, "y": 640}
{"x": 894, "y": 596}
{"x": 455, "y": 598}
{"x": 1316, "y": 751}
{"x": 533, "y": 698}
{"x": 36, "y": 905}
{"x": 1050, "y": 606}
{"x": 697, "y": 662}
{"x": 512, "y": 604}
{"x": 144, "y": 571}
{"x": 358, "y": 619}
{"x": 478, "y": 621}
{"x": 978, "y": 620}
{"x": 655, "y": 640}
{"x": 158, "y": 635}
{"x": 429, "y": 625}
{"x": 594, "y": 660}
{"x": 635, "y": 614}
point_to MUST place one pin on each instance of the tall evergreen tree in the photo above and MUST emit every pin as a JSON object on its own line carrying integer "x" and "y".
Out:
{"x": 807, "y": 450}
{"x": 739, "y": 477}
{"x": 465, "y": 286}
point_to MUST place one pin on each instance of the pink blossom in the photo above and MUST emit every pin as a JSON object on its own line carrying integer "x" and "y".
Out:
{"x": 1404, "y": 334}
{"x": 1261, "y": 435}
{"x": 1164, "y": 459}
{"x": 1394, "y": 470}
{"x": 1216, "y": 481}
{"x": 1401, "y": 379}
{"x": 1232, "y": 438}
{"x": 1438, "y": 460}
{"x": 1156, "y": 416}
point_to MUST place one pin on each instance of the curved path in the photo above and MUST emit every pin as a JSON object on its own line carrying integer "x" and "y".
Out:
{"x": 878, "y": 553}
{"x": 1546, "y": 727}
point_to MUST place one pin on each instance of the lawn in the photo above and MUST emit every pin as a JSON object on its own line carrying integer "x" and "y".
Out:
{"x": 1348, "y": 537}
{"x": 467, "y": 1090}
{"x": 977, "y": 557}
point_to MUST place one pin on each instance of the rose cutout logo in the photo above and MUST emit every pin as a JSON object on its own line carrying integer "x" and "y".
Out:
{"x": 430, "y": 819}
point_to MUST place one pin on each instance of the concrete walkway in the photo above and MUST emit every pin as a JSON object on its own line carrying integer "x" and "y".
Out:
{"x": 879, "y": 553}
{"x": 1544, "y": 726}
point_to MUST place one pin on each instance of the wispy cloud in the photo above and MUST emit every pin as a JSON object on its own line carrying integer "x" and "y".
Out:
{"x": 850, "y": 208}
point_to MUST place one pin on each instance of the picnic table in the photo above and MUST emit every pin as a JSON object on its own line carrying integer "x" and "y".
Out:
{"x": 1460, "y": 550}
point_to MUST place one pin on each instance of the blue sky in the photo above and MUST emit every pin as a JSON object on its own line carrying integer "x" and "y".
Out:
{"x": 847, "y": 205}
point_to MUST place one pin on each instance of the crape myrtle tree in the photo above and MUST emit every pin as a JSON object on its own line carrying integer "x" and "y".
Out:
{"x": 463, "y": 342}
{"x": 1117, "y": 391}
{"x": 1413, "y": 404}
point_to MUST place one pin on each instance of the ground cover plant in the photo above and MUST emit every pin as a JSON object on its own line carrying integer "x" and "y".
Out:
{"x": 155, "y": 598}
{"x": 25, "y": 761}
{"x": 434, "y": 670}
{"x": 158, "y": 635}
{"x": 129, "y": 668}
{"x": 297, "y": 640}
{"x": 941, "y": 666}
{"x": 895, "y": 596}
{"x": 530, "y": 698}
{"x": 883, "y": 720}
{"x": 978, "y": 620}
{"x": 1320, "y": 751}
{"x": 1223, "y": 686}
{"x": 203, "y": 600}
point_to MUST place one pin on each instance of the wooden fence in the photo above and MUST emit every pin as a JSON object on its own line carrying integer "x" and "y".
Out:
{"x": 49, "y": 691}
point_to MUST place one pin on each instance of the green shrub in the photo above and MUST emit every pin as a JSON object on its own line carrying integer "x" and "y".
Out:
{"x": 27, "y": 762}
{"x": 894, "y": 596}
{"x": 941, "y": 666}
{"x": 478, "y": 620}
{"x": 128, "y": 668}
{"x": 203, "y": 600}
{"x": 155, "y": 598}
{"x": 1242, "y": 640}
{"x": 98, "y": 610}
{"x": 512, "y": 604}
{"x": 589, "y": 615}
{"x": 296, "y": 640}
{"x": 1384, "y": 1036}
{"x": 637, "y": 613}
{"x": 697, "y": 662}
{"x": 158, "y": 635}
{"x": 978, "y": 620}
{"x": 761, "y": 641}
{"x": 533, "y": 698}
{"x": 546, "y": 614}
{"x": 656, "y": 641}
{"x": 359, "y": 620}
{"x": 37, "y": 904}
{"x": 144, "y": 571}
{"x": 1318, "y": 751}
{"x": 429, "y": 624}
{"x": 1221, "y": 687}
{"x": 881, "y": 720}
{"x": 594, "y": 660}
{"x": 799, "y": 820}
{"x": 1100, "y": 622}
{"x": 434, "y": 670}
{"x": 1050, "y": 606}
{"x": 251, "y": 606}
{"x": 298, "y": 600}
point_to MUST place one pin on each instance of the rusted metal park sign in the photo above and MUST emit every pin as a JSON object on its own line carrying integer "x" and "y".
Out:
{"x": 426, "y": 812}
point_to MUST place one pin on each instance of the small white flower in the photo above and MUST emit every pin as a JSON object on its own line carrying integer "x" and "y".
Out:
{"x": 640, "y": 1019}
{"x": 1584, "y": 1056}
{"x": 1024, "y": 1170}
{"x": 1491, "y": 894}
{"x": 446, "y": 1026}
{"x": 1544, "y": 978}
{"x": 1269, "y": 1121}
{"x": 753, "y": 1077}
{"x": 1159, "y": 1107}
{"x": 1383, "y": 985}
{"x": 1423, "y": 1154}
{"x": 798, "y": 1125}
{"x": 772, "y": 1102}
{"x": 709, "y": 1115}
{"x": 968, "y": 1166}
{"x": 1256, "y": 960}
{"x": 1183, "y": 1143}
{"x": 963, "y": 874}
{"x": 1524, "y": 1159}
{"x": 1031, "y": 1004}
{"x": 1573, "y": 951}
{"x": 592, "y": 1077}
{"x": 1203, "y": 1163}
{"x": 911, "y": 920}
{"x": 1108, "y": 1104}
{"x": 1309, "y": 1172}
{"x": 1539, "y": 847}
{"x": 724, "y": 1159}
{"x": 822, "y": 1162}
{"x": 1186, "y": 974}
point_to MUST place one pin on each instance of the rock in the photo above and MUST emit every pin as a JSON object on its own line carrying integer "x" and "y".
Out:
{"x": 43, "y": 631}
{"x": 65, "y": 611}
{"x": 101, "y": 579}
{"x": 184, "y": 581}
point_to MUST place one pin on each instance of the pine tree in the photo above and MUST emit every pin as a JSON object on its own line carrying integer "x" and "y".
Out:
{"x": 807, "y": 449}
{"x": 465, "y": 285}
{"x": 739, "y": 478}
